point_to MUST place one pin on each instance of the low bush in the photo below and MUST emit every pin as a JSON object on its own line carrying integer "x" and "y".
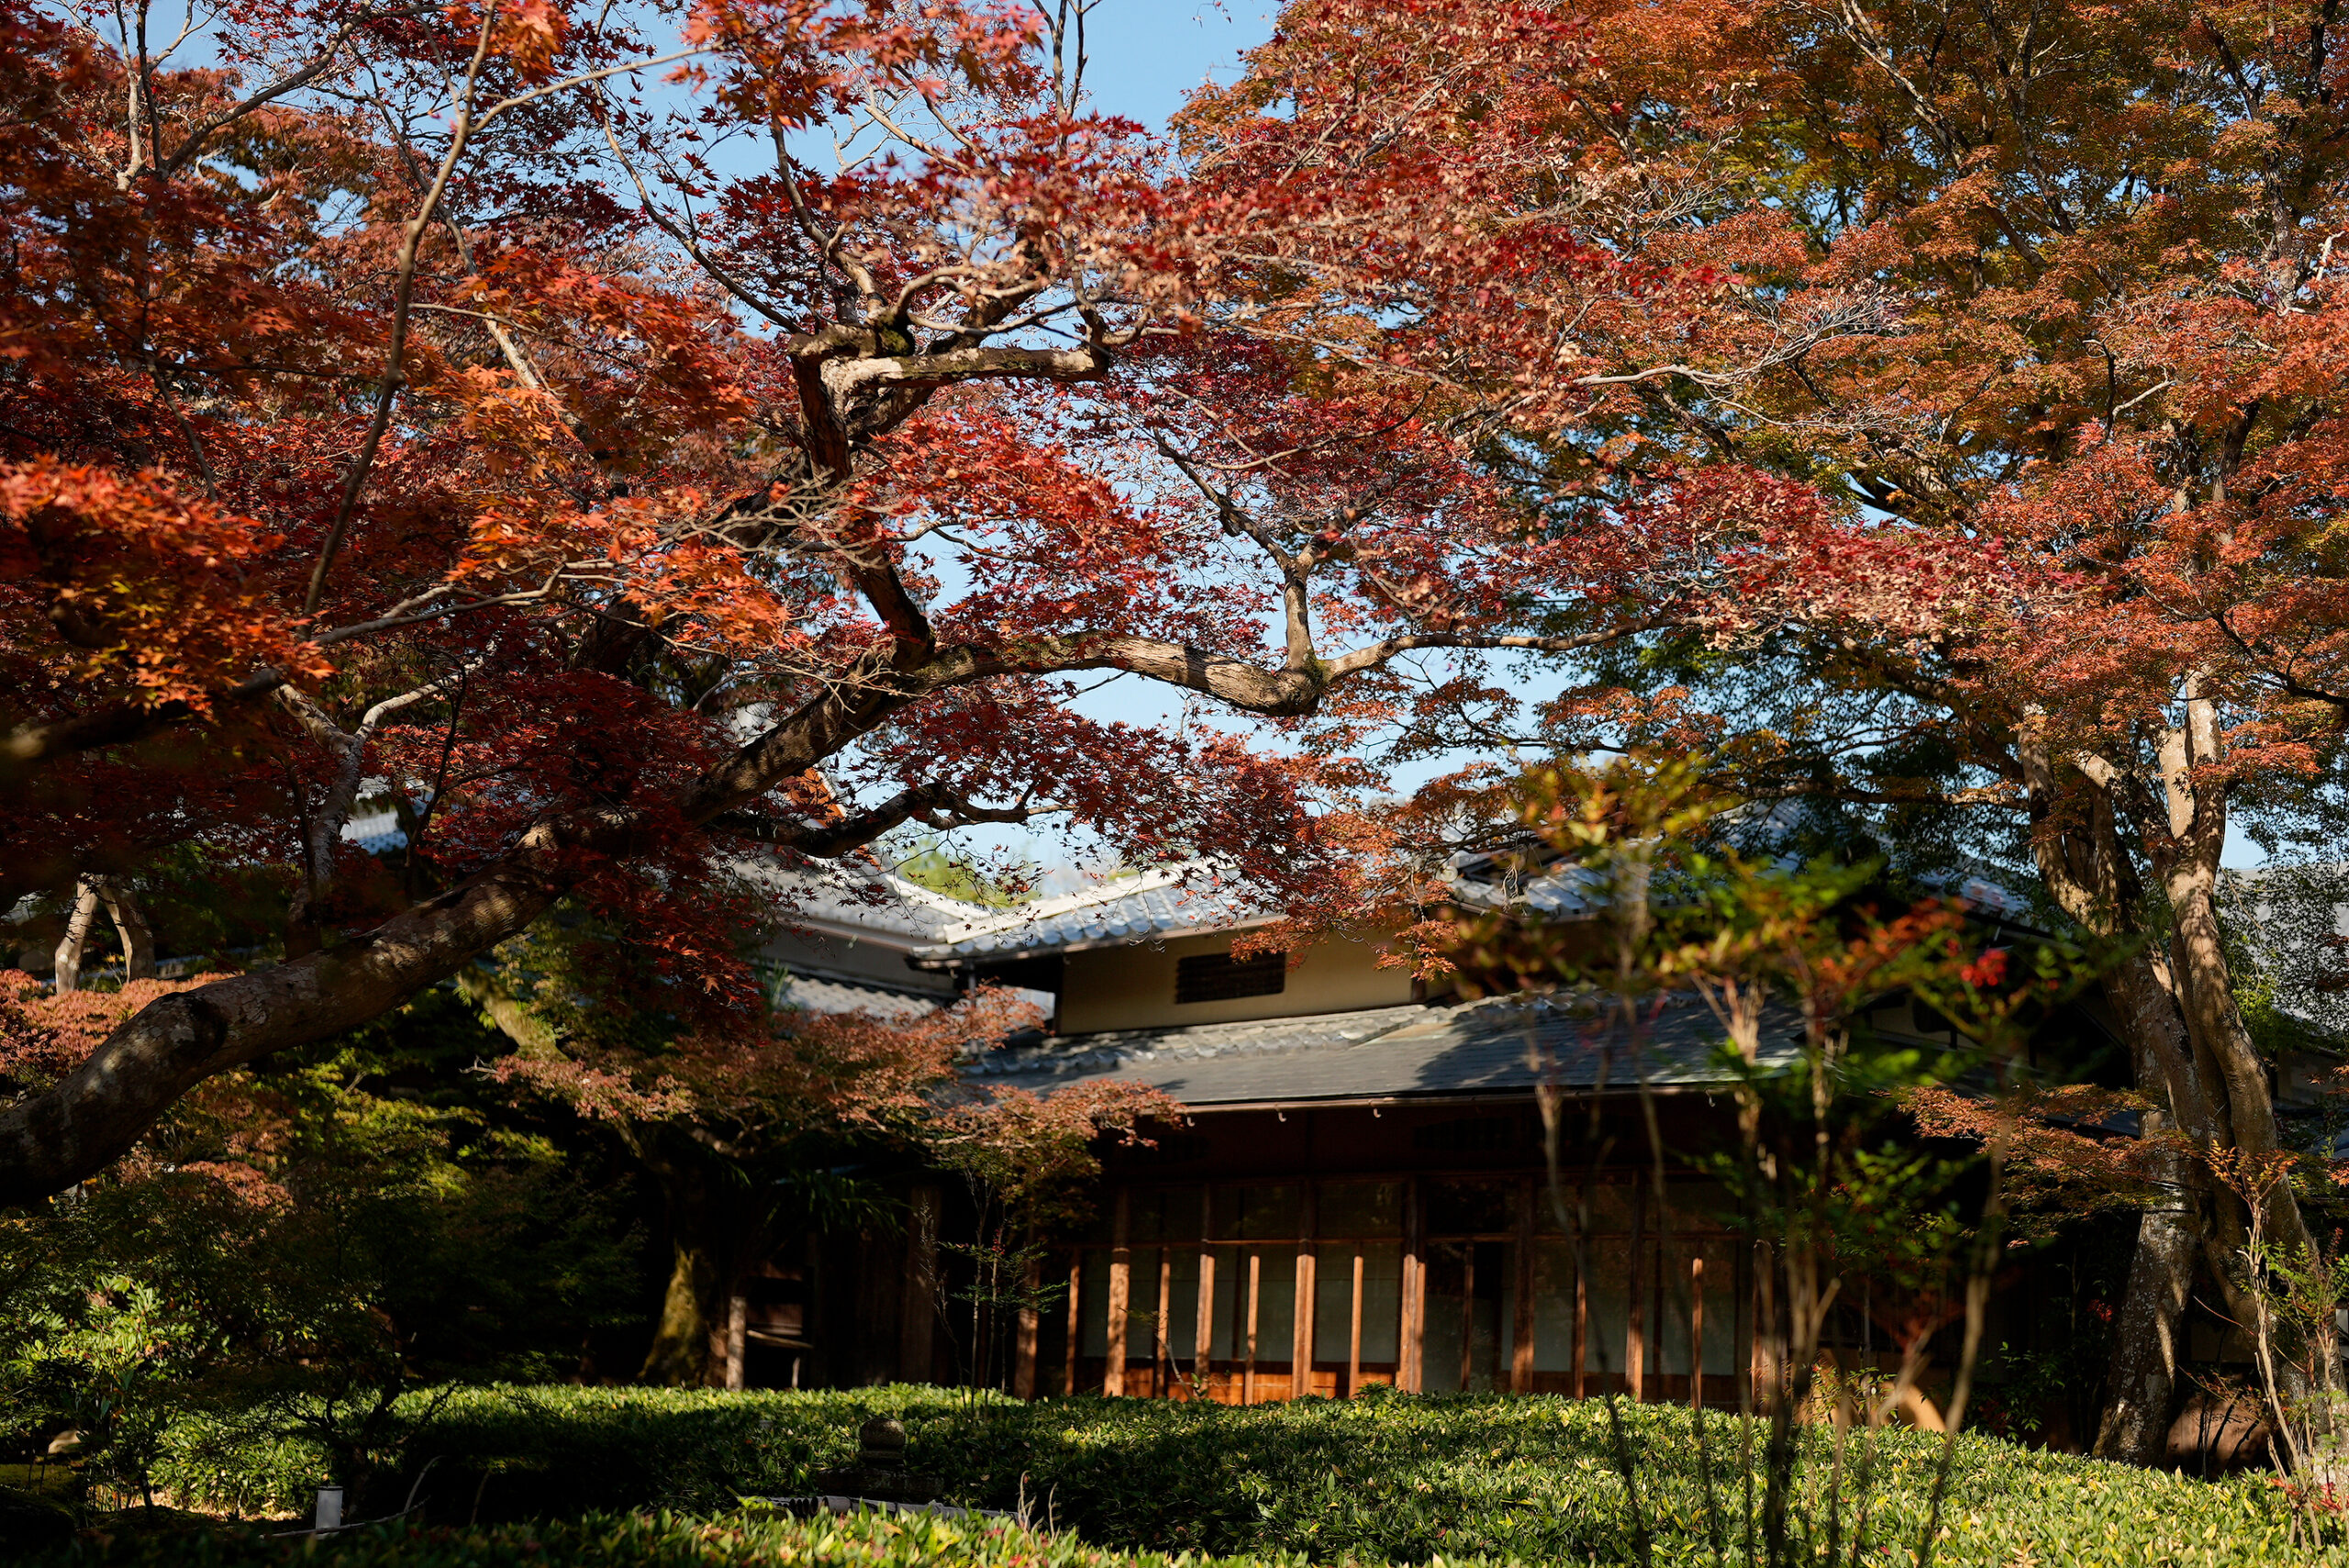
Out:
{"x": 638, "y": 1541}
{"x": 1392, "y": 1479}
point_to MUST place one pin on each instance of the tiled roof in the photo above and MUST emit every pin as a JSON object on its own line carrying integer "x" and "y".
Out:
{"x": 1158, "y": 904}
{"x": 1490, "y": 880}
{"x": 843, "y": 892}
{"x": 1195, "y": 897}
{"x": 1386, "y": 1052}
{"x": 1986, "y": 897}
{"x": 827, "y": 994}
{"x": 377, "y": 833}
{"x": 855, "y": 892}
{"x": 1562, "y": 890}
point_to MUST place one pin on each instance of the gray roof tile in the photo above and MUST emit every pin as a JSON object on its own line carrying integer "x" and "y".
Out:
{"x": 825, "y": 994}
{"x": 1158, "y": 904}
{"x": 1500, "y": 1045}
{"x": 853, "y": 893}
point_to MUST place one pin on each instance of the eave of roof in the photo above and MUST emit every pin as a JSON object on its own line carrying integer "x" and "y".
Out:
{"x": 1380, "y": 1055}
{"x": 1190, "y": 899}
{"x": 818, "y": 993}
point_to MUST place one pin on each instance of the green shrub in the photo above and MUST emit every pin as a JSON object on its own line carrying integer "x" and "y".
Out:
{"x": 641, "y": 1540}
{"x": 1382, "y": 1479}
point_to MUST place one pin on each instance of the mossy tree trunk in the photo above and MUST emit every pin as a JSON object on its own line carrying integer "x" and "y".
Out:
{"x": 688, "y": 1340}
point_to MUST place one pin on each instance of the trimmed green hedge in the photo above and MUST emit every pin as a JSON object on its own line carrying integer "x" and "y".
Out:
{"x": 638, "y": 1541}
{"x": 1390, "y": 1479}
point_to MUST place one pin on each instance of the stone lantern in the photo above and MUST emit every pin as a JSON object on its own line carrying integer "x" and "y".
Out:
{"x": 879, "y": 1472}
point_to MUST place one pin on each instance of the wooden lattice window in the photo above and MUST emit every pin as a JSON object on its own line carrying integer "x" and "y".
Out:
{"x": 1220, "y": 977}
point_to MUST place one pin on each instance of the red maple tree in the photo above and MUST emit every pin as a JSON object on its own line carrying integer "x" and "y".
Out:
{"x": 2034, "y": 314}
{"x": 605, "y": 449}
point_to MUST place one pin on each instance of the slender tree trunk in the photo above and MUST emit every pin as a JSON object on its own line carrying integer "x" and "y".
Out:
{"x": 77, "y": 934}
{"x": 130, "y": 925}
{"x": 2249, "y": 1106}
{"x": 2192, "y": 1055}
{"x": 2183, "y": 829}
{"x": 2216, "y": 1087}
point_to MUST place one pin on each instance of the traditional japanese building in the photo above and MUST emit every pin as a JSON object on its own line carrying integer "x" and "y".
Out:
{"x": 1360, "y": 1195}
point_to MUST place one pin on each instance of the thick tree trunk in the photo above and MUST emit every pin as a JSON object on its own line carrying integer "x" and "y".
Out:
{"x": 688, "y": 1340}
{"x": 2084, "y": 864}
{"x": 2148, "y": 1339}
{"x": 73, "y": 1131}
{"x": 2148, "y": 1333}
{"x": 680, "y": 1355}
{"x": 70, "y": 1132}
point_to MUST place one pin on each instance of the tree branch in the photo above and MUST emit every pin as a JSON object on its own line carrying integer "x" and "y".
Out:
{"x": 935, "y": 806}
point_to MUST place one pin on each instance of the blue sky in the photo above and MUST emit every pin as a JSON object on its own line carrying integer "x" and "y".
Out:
{"x": 1143, "y": 55}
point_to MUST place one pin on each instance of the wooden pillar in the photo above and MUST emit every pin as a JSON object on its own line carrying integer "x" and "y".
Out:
{"x": 1163, "y": 1351}
{"x": 1467, "y": 1313}
{"x": 1075, "y": 1318}
{"x": 1697, "y": 1332}
{"x": 738, "y": 1337}
{"x": 1521, "y": 1366}
{"x": 1301, "y": 1338}
{"x": 1203, "y": 1337}
{"x": 1354, "y": 1351}
{"x": 1121, "y": 1285}
{"x": 1248, "y": 1356}
{"x": 1582, "y": 1315}
{"x": 1635, "y": 1345}
{"x": 1413, "y": 1337}
{"x": 918, "y": 1329}
{"x": 1741, "y": 1335}
{"x": 1023, "y": 1345}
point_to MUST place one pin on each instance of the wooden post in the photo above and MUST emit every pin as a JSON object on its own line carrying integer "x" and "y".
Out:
{"x": 1415, "y": 1280}
{"x": 1075, "y": 1318}
{"x": 1582, "y": 1315}
{"x": 1353, "y": 1353}
{"x": 1467, "y": 1313}
{"x": 917, "y": 1330}
{"x": 1661, "y": 1220}
{"x": 1163, "y": 1360}
{"x": 1247, "y": 1360}
{"x": 1741, "y": 1335}
{"x": 1635, "y": 1361}
{"x": 1697, "y": 1332}
{"x": 737, "y": 1336}
{"x": 1121, "y": 1285}
{"x": 1023, "y": 1346}
{"x": 1204, "y": 1337}
{"x": 1301, "y": 1337}
{"x": 1520, "y": 1366}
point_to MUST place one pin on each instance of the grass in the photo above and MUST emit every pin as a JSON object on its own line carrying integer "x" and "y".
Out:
{"x": 1403, "y": 1480}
